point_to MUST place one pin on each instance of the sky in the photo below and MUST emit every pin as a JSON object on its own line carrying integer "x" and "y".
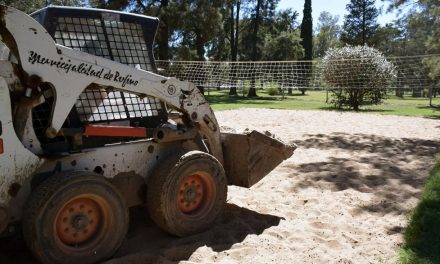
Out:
{"x": 335, "y": 7}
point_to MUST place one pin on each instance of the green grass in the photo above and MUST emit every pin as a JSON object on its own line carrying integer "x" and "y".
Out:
{"x": 422, "y": 237}
{"x": 315, "y": 100}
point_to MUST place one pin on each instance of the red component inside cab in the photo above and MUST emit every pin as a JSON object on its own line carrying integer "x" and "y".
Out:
{"x": 115, "y": 131}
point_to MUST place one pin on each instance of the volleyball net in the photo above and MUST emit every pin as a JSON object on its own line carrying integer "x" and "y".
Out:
{"x": 410, "y": 74}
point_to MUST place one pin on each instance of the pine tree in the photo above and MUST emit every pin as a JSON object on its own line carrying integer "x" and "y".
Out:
{"x": 361, "y": 22}
{"x": 307, "y": 30}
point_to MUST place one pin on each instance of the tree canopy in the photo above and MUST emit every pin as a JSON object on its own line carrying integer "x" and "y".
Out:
{"x": 242, "y": 30}
{"x": 360, "y": 24}
{"x": 421, "y": 32}
{"x": 218, "y": 29}
{"x": 30, "y": 6}
{"x": 327, "y": 34}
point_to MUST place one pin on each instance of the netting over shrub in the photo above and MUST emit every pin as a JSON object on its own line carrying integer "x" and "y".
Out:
{"x": 357, "y": 75}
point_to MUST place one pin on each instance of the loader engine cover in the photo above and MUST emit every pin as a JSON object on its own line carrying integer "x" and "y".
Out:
{"x": 250, "y": 157}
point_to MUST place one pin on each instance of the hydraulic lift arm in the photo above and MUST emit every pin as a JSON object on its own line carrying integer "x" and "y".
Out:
{"x": 69, "y": 72}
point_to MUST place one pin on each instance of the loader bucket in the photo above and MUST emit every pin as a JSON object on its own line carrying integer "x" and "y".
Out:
{"x": 249, "y": 157}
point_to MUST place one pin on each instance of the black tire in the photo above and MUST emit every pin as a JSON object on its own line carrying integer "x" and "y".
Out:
{"x": 76, "y": 217}
{"x": 186, "y": 194}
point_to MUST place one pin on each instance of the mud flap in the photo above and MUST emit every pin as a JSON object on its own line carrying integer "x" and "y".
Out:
{"x": 250, "y": 157}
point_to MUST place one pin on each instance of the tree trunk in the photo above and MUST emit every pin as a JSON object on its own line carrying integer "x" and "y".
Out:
{"x": 234, "y": 44}
{"x": 200, "y": 46}
{"x": 233, "y": 78}
{"x": 355, "y": 100}
{"x": 162, "y": 41}
{"x": 399, "y": 92}
{"x": 255, "y": 30}
{"x": 356, "y": 107}
{"x": 252, "y": 90}
{"x": 234, "y": 29}
{"x": 233, "y": 91}
{"x": 364, "y": 27}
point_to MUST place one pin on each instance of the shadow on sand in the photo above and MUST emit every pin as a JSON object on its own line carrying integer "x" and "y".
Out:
{"x": 146, "y": 243}
{"x": 393, "y": 169}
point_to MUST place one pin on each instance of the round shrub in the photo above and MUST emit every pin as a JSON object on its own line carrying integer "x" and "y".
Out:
{"x": 356, "y": 75}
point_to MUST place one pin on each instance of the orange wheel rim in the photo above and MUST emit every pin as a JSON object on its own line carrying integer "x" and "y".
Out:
{"x": 195, "y": 191}
{"x": 78, "y": 221}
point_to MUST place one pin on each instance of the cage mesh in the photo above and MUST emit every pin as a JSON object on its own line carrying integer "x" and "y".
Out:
{"x": 127, "y": 44}
{"x": 115, "y": 40}
{"x": 82, "y": 34}
{"x": 119, "y": 41}
{"x": 100, "y": 105}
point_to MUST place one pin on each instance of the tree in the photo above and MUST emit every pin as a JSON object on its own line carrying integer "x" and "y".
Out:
{"x": 327, "y": 36}
{"x": 360, "y": 24}
{"x": 357, "y": 75}
{"x": 431, "y": 13}
{"x": 307, "y": 43}
{"x": 388, "y": 40}
{"x": 186, "y": 27}
{"x": 398, "y": 3}
{"x": 234, "y": 33}
{"x": 282, "y": 47}
{"x": 166, "y": 26}
{"x": 157, "y": 8}
{"x": 423, "y": 32}
{"x": 252, "y": 41}
{"x": 256, "y": 25}
{"x": 202, "y": 19}
{"x": 432, "y": 43}
{"x": 307, "y": 30}
{"x": 33, "y": 5}
{"x": 234, "y": 29}
{"x": 282, "y": 40}
{"x": 417, "y": 30}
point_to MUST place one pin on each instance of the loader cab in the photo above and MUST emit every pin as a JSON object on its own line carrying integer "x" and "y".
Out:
{"x": 121, "y": 37}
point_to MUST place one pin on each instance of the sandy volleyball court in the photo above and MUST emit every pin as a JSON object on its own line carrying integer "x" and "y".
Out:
{"x": 341, "y": 198}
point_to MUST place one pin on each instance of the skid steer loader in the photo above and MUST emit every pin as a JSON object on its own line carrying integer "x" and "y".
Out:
{"x": 87, "y": 131}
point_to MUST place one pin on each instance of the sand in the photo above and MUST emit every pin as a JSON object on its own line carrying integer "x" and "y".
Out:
{"x": 343, "y": 197}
